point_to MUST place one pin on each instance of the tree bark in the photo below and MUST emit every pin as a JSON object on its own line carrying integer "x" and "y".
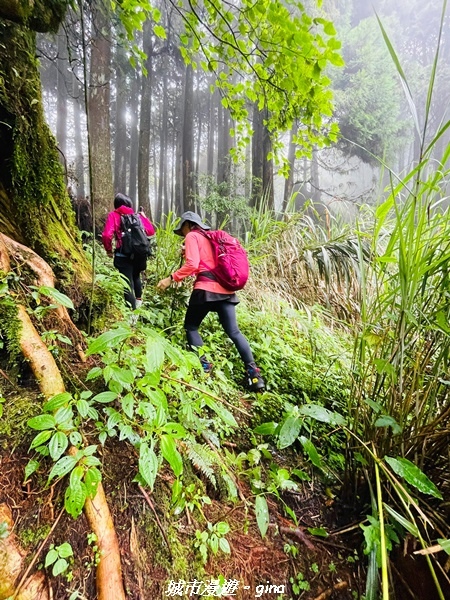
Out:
{"x": 34, "y": 205}
{"x": 134, "y": 137}
{"x": 61, "y": 100}
{"x": 120, "y": 138}
{"x": 145, "y": 124}
{"x": 98, "y": 113}
{"x": 187, "y": 192}
{"x": 289, "y": 182}
{"x": 77, "y": 102}
{"x": 37, "y": 15}
{"x": 262, "y": 167}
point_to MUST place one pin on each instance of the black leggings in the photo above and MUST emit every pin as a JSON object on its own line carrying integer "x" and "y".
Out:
{"x": 226, "y": 312}
{"x": 131, "y": 269}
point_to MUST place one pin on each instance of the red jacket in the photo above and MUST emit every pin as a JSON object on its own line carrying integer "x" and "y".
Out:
{"x": 199, "y": 257}
{"x": 112, "y": 227}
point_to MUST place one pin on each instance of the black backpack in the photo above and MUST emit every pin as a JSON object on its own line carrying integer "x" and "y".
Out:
{"x": 134, "y": 239}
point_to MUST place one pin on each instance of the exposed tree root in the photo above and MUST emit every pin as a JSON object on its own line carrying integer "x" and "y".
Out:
{"x": 48, "y": 376}
{"x": 20, "y": 254}
{"x": 12, "y": 561}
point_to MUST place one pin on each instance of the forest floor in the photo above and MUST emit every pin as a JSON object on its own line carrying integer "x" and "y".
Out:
{"x": 158, "y": 549}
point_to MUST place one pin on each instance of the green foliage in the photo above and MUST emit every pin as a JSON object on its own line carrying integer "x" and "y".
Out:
{"x": 368, "y": 98}
{"x": 269, "y": 55}
{"x": 57, "y": 557}
{"x": 223, "y": 200}
{"x": 212, "y": 539}
{"x": 9, "y": 322}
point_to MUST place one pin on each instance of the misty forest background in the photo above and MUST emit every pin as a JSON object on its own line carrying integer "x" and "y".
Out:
{"x": 160, "y": 136}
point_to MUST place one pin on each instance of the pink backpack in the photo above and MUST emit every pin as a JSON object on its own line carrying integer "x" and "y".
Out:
{"x": 232, "y": 268}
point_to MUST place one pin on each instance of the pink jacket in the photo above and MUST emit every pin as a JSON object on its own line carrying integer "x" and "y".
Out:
{"x": 112, "y": 227}
{"x": 199, "y": 257}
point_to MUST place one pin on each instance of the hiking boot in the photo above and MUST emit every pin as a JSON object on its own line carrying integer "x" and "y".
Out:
{"x": 253, "y": 378}
{"x": 206, "y": 365}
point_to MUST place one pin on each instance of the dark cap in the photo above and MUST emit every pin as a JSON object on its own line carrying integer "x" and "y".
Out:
{"x": 193, "y": 218}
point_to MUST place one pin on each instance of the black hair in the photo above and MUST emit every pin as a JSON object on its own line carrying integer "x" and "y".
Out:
{"x": 122, "y": 200}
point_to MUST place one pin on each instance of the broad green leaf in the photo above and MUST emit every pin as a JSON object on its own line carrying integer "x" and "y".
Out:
{"x": 94, "y": 373}
{"x": 319, "y": 531}
{"x": 222, "y": 528}
{"x": 388, "y": 421}
{"x": 160, "y": 32}
{"x": 262, "y": 514}
{"x": 413, "y": 475}
{"x": 58, "y": 444}
{"x": 266, "y": 428}
{"x": 62, "y": 467}
{"x": 42, "y": 422}
{"x": 63, "y": 415}
{"x": 122, "y": 376}
{"x": 148, "y": 464}
{"x": 74, "y": 499}
{"x": 128, "y": 405}
{"x": 105, "y": 397}
{"x": 52, "y": 556}
{"x": 82, "y": 408}
{"x": 57, "y": 401}
{"x": 41, "y": 438}
{"x": 311, "y": 451}
{"x": 154, "y": 355}
{"x": 289, "y": 431}
{"x": 109, "y": 339}
{"x": 321, "y": 414}
{"x": 65, "y": 550}
{"x": 75, "y": 438}
{"x": 31, "y": 467}
{"x": 57, "y": 296}
{"x": 170, "y": 452}
{"x": 445, "y": 545}
{"x": 214, "y": 543}
{"x": 221, "y": 411}
{"x": 92, "y": 478}
{"x": 60, "y": 566}
{"x": 224, "y": 545}
{"x": 76, "y": 476}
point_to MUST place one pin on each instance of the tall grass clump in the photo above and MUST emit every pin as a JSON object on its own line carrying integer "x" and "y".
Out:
{"x": 399, "y": 415}
{"x": 305, "y": 259}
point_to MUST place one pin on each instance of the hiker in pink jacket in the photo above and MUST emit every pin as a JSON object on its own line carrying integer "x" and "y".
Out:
{"x": 209, "y": 296}
{"x": 131, "y": 267}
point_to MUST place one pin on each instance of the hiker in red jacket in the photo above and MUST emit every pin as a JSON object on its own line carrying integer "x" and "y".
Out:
{"x": 209, "y": 296}
{"x": 130, "y": 267}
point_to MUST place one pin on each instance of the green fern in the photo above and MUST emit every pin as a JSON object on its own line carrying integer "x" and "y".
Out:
{"x": 203, "y": 458}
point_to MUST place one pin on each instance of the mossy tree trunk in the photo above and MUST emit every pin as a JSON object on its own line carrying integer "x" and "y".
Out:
{"x": 34, "y": 206}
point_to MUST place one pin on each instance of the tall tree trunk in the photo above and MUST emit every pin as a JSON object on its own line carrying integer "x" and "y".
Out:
{"x": 289, "y": 182}
{"x": 262, "y": 168}
{"x": 162, "y": 206}
{"x": 61, "y": 98}
{"x": 120, "y": 139}
{"x": 315, "y": 182}
{"x": 99, "y": 103}
{"x": 77, "y": 100}
{"x": 145, "y": 123}
{"x": 134, "y": 136}
{"x": 34, "y": 206}
{"x": 187, "y": 141}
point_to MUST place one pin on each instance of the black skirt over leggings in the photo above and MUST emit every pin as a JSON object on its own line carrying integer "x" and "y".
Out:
{"x": 203, "y": 302}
